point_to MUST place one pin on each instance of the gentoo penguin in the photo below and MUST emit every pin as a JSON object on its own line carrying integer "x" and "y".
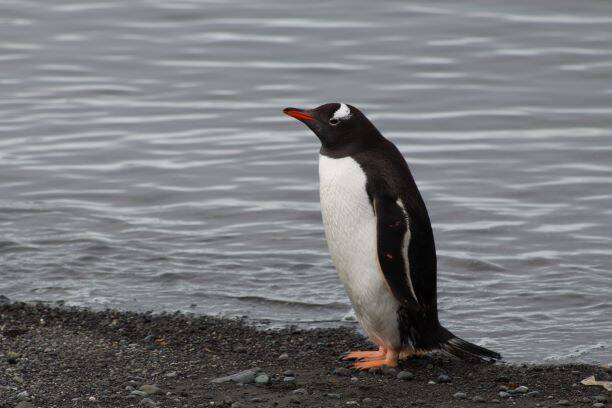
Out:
{"x": 380, "y": 239}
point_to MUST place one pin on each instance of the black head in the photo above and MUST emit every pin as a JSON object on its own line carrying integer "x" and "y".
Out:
{"x": 342, "y": 128}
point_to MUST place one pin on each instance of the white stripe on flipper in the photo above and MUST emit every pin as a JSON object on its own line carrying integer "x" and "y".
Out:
{"x": 343, "y": 112}
{"x": 405, "y": 244}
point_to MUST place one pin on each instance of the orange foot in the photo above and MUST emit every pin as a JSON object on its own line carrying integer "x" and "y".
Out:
{"x": 357, "y": 355}
{"x": 389, "y": 359}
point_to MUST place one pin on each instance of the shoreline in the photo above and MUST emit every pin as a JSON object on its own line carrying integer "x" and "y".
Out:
{"x": 56, "y": 356}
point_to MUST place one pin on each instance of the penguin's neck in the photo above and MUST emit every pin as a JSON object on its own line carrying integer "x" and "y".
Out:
{"x": 355, "y": 142}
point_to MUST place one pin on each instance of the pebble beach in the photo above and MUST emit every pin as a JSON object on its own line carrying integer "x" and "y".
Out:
{"x": 58, "y": 356}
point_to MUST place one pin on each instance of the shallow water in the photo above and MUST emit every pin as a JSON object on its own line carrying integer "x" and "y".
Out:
{"x": 146, "y": 164}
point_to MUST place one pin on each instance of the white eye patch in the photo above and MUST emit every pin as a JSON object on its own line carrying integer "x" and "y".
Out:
{"x": 343, "y": 112}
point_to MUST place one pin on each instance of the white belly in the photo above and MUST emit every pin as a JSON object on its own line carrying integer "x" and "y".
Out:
{"x": 350, "y": 229}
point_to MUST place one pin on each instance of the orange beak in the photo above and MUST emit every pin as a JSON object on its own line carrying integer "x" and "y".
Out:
{"x": 298, "y": 114}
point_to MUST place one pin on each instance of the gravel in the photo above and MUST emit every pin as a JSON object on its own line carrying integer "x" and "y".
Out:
{"x": 242, "y": 377}
{"x": 149, "y": 389}
{"x": 443, "y": 378}
{"x": 65, "y": 355}
{"x": 138, "y": 393}
{"x": 343, "y": 372}
{"x": 521, "y": 390}
{"x": 262, "y": 378}
{"x": 405, "y": 375}
{"x": 147, "y": 402}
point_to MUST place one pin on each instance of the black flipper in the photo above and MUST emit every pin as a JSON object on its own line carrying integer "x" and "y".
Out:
{"x": 392, "y": 229}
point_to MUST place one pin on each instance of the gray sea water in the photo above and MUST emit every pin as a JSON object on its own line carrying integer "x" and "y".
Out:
{"x": 145, "y": 162}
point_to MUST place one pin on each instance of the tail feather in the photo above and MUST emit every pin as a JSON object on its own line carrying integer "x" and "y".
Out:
{"x": 468, "y": 351}
{"x": 424, "y": 334}
{"x": 448, "y": 343}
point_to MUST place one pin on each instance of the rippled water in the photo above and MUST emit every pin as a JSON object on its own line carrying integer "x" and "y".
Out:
{"x": 145, "y": 162}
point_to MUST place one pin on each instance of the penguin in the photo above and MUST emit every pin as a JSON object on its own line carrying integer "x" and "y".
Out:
{"x": 380, "y": 239}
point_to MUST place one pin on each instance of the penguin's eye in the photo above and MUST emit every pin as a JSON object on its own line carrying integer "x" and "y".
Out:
{"x": 334, "y": 121}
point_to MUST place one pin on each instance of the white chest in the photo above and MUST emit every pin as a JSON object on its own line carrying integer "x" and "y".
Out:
{"x": 344, "y": 204}
{"x": 350, "y": 229}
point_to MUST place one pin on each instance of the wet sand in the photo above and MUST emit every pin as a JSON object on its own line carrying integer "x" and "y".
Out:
{"x": 55, "y": 356}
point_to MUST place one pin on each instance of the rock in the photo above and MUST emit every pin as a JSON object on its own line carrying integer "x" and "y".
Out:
{"x": 521, "y": 390}
{"x": 405, "y": 375}
{"x": 23, "y": 395}
{"x": 367, "y": 400}
{"x": 564, "y": 403}
{"x": 430, "y": 382}
{"x": 443, "y": 378}
{"x": 598, "y": 405}
{"x": 147, "y": 402}
{"x": 92, "y": 399}
{"x": 237, "y": 405}
{"x": 12, "y": 357}
{"x": 289, "y": 379}
{"x": 333, "y": 395}
{"x": 495, "y": 401}
{"x": 533, "y": 393}
{"x": 353, "y": 379}
{"x": 24, "y": 404}
{"x": 389, "y": 370}
{"x": 352, "y": 402}
{"x": 478, "y": 398}
{"x": 600, "y": 398}
{"x": 150, "y": 389}
{"x": 262, "y": 378}
{"x": 343, "y": 372}
{"x": 419, "y": 402}
{"x": 138, "y": 393}
{"x": 283, "y": 356}
{"x": 129, "y": 388}
{"x": 300, "y": 391}
{"x": 503, "y": 394}
{"x": 460, "y": 395}
{"x": 171, "y": 374}
{"x": 242, "y": 377}
{"x": 289, "y": 373}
